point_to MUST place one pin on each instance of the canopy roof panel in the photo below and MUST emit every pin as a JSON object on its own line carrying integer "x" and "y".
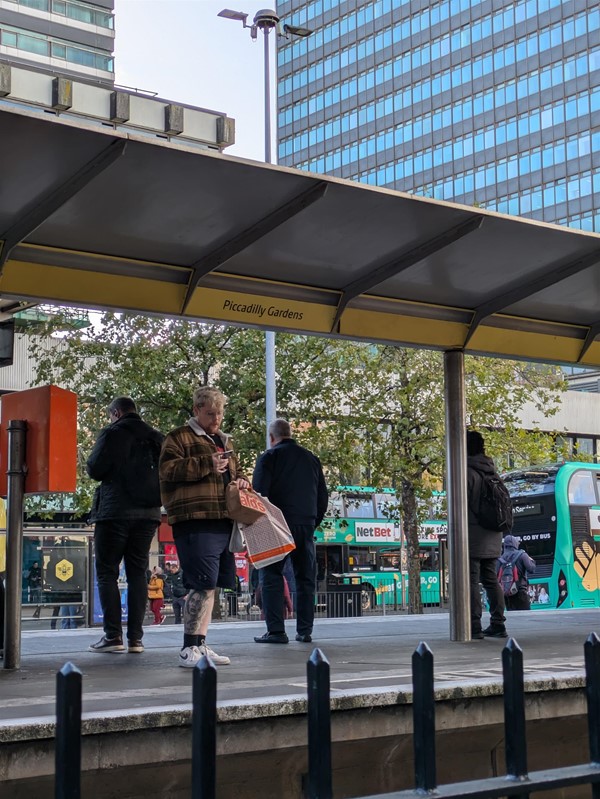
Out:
{"x": 102, "y": 218}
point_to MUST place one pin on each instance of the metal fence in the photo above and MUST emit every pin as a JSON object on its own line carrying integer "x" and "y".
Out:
{"x": 318, "y": 784}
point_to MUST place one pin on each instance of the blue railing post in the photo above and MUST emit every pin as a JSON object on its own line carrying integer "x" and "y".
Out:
{"x": 204, "y": 730}
{"x": 591, "y": 650}
{"x": 423, "y": 718}
{"x": 514, "y": 713}
{"x": 319, "y": 784}
{"x": 67, "y": 783}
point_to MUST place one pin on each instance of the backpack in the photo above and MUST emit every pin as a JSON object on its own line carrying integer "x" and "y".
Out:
{"x": 495, "y": 505}
{"x": 508, "y": 576}
{"x": 140, "y": 473}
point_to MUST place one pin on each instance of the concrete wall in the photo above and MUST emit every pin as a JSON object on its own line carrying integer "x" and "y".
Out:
{"x": 579, "y": 413}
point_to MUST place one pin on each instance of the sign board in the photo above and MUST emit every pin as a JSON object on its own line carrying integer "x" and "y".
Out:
{"x": 51, "y": 451}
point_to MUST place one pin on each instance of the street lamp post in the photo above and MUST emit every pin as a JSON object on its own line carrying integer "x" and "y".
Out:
{"x": 266, "y": 21}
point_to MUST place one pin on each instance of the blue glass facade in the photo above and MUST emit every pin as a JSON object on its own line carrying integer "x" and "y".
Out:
{"x": 489, "y": 103}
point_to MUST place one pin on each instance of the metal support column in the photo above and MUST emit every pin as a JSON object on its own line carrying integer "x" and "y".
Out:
{"x": 17, "y": 436}
{"x": 270, "y": 389}
{"x": 456, "y": 470}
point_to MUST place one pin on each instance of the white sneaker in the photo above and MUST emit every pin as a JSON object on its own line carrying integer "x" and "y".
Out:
{"x": 218, "y": 660}
{"x": 190, "y": 656}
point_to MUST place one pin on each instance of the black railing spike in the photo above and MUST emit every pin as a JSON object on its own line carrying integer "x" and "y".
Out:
{"x": 319, "y": 784}
{"x": 204, "y": 730}
{"x": 68, "y": 733}
{"x": 514, "y": 712}
{"x": 423, "y": 718}
{"x": 591, "y": 651}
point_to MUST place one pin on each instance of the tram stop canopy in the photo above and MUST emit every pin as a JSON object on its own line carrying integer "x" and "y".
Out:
{"x": 99, "y": 217}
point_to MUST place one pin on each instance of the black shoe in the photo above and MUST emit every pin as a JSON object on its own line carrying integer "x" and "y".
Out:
{"x": 271, "y": 638}
{"x": 477, "y": 636}
{"x": 304, "y": 639}
{"x": 135, "y": 646}
{"x": 495, "y": 632}
{"x": 107, "y": 645}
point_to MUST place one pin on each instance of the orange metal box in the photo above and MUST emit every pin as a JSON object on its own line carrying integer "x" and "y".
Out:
{"x": 51, "y": 451}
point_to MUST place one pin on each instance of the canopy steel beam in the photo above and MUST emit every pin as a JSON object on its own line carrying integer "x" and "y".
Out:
{"x": 528, "y": 288}
{"x": 251, "y": 235}
{"x": 56, "y": 198}
{"x": 401, "y": 263}
{"x": 591, "y": 336}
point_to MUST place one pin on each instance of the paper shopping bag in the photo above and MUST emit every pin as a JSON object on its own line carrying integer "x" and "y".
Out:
{"x": 243, "y": 505}
{"x": 268, "y": 539}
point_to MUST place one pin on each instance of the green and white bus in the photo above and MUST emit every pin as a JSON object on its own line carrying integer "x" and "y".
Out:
{"x": 360, "y": 545}
{"x": 557, "y": 518}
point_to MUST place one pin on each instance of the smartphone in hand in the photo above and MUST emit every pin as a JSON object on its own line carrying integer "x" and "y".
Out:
{"x": 227, "y": 453}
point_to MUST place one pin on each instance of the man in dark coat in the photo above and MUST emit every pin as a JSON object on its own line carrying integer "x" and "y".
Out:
{"x": 291, "y": 477}
{"x": 176, "y": 590}
{"x": 126, "y": 513}
{"x": 485, "y": 546}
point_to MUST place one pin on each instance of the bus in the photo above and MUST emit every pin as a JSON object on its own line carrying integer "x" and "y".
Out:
{"x": 557, "y": 517}
{"x": 358, "y": 545}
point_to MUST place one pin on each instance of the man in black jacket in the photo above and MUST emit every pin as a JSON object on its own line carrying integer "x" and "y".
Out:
{"x": 176, "y": 590}
{"x": 485, "y": 546}
{"x": 291, "y": 477}
{"x": 126, "y": 513}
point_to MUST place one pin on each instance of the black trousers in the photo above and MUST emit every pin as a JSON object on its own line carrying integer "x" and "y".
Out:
{"x": 129, "y": 540}
{"x": 483, "y": 570}
{"x": 305, "y": 570}
{"x": 178, "y": 605}
{"x": 518, "y": 601}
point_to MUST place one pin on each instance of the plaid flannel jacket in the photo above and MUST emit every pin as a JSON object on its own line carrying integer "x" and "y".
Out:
{"x": 189, "y": 486}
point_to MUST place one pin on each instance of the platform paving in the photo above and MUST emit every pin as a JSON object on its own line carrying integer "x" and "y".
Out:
{"x": 366, "y": 655}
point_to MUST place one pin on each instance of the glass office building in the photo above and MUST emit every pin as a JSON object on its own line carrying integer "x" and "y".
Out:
{"x": 72, "y": 37}
{"x": 495, "y": 104}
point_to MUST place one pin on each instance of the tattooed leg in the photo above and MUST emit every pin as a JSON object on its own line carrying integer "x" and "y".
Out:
{"x": 197, "y": 611}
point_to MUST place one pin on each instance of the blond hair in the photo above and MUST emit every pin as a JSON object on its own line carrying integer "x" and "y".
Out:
{"x": 205, "y": 395}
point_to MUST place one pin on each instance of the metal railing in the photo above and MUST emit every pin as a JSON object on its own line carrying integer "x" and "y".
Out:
{"x": 517, "y": 782}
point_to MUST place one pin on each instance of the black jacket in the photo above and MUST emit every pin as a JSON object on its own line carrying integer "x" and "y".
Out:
{"x": 174, "y": 585}
{"x": 292, "y": 478}
{"x": 107, "y": 463}
{"x": 482, "y": 543}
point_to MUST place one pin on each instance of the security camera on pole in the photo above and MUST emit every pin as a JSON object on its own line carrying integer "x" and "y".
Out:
{"x": 267, "y": 20}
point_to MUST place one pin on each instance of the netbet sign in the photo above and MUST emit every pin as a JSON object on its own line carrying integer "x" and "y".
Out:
{"x": 376, "y": 532}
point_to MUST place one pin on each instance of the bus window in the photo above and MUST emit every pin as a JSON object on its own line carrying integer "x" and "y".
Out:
{"x": 359, "y": 507}
{"x": 581, "y": 489}
{"x": 335, "y": 506}
{"x": 390, "y": 561}
{"x": 429, "y": 560}
{"x": 361, "y": 559}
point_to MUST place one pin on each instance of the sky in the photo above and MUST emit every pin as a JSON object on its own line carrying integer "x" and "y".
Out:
{"x": 184, "y": 52}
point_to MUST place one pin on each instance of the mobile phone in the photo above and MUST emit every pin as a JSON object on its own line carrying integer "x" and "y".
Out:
{"x": 227, "y": 453}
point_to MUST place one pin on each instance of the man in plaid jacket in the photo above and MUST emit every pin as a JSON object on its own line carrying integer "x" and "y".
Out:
{"x": 196, "y": 465}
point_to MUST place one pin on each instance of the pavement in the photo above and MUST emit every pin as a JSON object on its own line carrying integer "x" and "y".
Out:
{"x": 365, "y": 654}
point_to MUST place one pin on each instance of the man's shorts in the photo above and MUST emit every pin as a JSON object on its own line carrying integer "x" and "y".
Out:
{"x": 206, "y": 560}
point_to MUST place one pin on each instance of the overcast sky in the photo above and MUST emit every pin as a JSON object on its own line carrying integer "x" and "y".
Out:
{"x": 182, "y": 51}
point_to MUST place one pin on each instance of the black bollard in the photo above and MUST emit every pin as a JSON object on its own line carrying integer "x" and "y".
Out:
{"x": 514, "y": 713}
{"x": 591, "y": 650}
{"x": 319, "y": 728}
{"x": 68, "y": 733}
{"x": 204, "y": 730}
{"x": 423, "y": 718}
